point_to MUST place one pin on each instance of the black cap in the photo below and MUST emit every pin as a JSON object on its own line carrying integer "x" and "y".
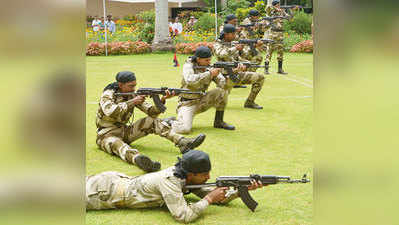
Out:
{"x": 254, "y": 12}
{"x": 230, "y": 17}
{"x": 275, "y": 2}
{"x": 125, "y": 76}
{"x": 195, "y": 161}
{"x": 229, "y": 28}
{"x": 203, "y": 52}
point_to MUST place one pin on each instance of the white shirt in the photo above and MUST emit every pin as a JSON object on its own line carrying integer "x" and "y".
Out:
{"x": 177, "y": 26}
{"x": 96, "y": 25}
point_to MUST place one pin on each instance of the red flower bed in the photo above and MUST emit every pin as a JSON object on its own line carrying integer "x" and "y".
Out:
{"x": 189, "y": 48}
{"x": 118, "y": 48}
{"x": 304, "y": 46}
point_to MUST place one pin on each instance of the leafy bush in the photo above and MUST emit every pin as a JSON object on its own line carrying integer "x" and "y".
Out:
{"x": 189, "y": 48}
{"x": 291, "y": 38}
{"x": 301, "y": 23}
{"x": 146, "y": 26}
{"x": 118, "y": 48}
{"x": 305, "y": 46}
{"x": 233, "y": 5}
{"x": 205, "y": 23}
{"x": 241, "y": 13}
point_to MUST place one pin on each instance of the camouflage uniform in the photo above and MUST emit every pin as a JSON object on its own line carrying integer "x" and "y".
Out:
{"x": 113, "y": 133}
{"x": 111, "y": 190}
{"x": 226, "y": 52}
{"x": 246, "y": 53}
{"x": 189, "y": 105}
{"x": 275, "y": 32}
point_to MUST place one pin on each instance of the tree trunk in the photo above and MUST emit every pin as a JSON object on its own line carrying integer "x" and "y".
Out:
{"x": 161, "y": 41}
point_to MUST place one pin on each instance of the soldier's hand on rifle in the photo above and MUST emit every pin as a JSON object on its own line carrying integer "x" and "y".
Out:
{"x": 138, "y": 100}
{"x": 217, "y": 195}
{"x": 259, "y": 44}
{"x": 168, "y": 95}
{"x": 255, "y": 185}
{"x": 215, "y": 72}
{"x": 239, "y": 47}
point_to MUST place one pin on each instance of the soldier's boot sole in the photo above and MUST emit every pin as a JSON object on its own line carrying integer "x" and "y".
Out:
{"x": 224, "y": 126}
{"x": 146, "y": 164}
{"x": 195, "y": 143}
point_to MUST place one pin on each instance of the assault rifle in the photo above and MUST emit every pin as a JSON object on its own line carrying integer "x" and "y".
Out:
{"x": 248, "y": 27}
{"x": 229, "y": 66}
{"x": 274, "y": 18}
{"x": 252, "y": 43}
{"x": 155, "y": 92}
{"x": 242, "y": 182}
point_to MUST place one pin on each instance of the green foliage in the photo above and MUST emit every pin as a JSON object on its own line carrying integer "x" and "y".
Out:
{"x": 301, "y": 23}
{"x": 147, "y": 27}
{"x": 261, "y": 7}
{"x": 129, "y": 18}
{"x": 147, "y": 16}
{"x": 241, "y": 13}
{"x": 205, "y": 23}
{"x": 291, "y": 38}
{"x": 233, "y": 5}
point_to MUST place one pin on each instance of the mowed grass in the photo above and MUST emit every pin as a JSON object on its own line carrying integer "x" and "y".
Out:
{"x": 274, "y": 141}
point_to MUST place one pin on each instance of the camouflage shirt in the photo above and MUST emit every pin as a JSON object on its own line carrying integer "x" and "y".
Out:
{"x": 198, "y": 79}
{"x": 114, "y": 112}
{"x": 272, "y": 11}
{"x": 256, "y": 33}
{"x": 116, "y": 190}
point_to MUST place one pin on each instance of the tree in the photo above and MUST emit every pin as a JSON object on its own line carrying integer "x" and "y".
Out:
{"x": 161, "y": 41}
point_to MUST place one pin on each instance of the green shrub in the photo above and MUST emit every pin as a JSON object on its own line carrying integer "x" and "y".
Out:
{"x": 241, "y": 13}
{"x": 291, "y": 38}
{"x": 205, "y": 23}
{"x": 233, "y": 5}
{"x": 301, "y": 23}
{"x": 146, "y": 26}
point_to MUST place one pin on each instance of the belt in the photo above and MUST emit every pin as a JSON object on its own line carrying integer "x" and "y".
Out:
{"x": 277, "y": 30}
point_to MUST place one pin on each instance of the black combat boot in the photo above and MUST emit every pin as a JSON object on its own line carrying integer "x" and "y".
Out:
{"x": 239, "y": 86}
{"x": 267, "y": 68}
{"x": 252, "y": 105}
{"x": 145, "y": 163}
{"x": 186, "y": 144}
{"x": 219, "y": 123}
{"x": 280, "y": 68}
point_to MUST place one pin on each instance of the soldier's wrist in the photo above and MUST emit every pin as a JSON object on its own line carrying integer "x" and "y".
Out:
{"x": 208, "y": 199}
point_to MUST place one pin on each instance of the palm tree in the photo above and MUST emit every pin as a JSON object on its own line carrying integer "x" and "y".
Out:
{"x": 161, "y": 38}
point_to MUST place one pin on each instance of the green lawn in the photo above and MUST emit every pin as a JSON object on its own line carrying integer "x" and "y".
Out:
{"x": 274, "y": 141}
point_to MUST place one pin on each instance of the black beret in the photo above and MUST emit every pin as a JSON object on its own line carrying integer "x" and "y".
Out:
{"x": 230, "y": 17}
{"x": 275, "y": 2}
{"x": 254, "y": 12}
{"x": 229, "y": 28}
{"x": 125, "y": 76}
{"x": 203, "y": 52}
{"x": 195, "y": 161}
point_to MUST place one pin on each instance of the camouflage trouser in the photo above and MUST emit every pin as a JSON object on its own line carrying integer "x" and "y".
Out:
{"x": 187, "y": 109}
{"x": 277, "y": 46}
{"x": 254, "y": 78}
{"x": 106, "y": 190}
{"x": 117, "y": 140}
{"x": 256, "y": 59}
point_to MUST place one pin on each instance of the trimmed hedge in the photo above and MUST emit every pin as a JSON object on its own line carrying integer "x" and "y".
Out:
{"x": 118, "y": 48}
{"x": 189, "y": 48}
{"x": 304, "y": 46}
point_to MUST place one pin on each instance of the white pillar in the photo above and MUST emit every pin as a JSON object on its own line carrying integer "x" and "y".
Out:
{"x": 161, "y": 21}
